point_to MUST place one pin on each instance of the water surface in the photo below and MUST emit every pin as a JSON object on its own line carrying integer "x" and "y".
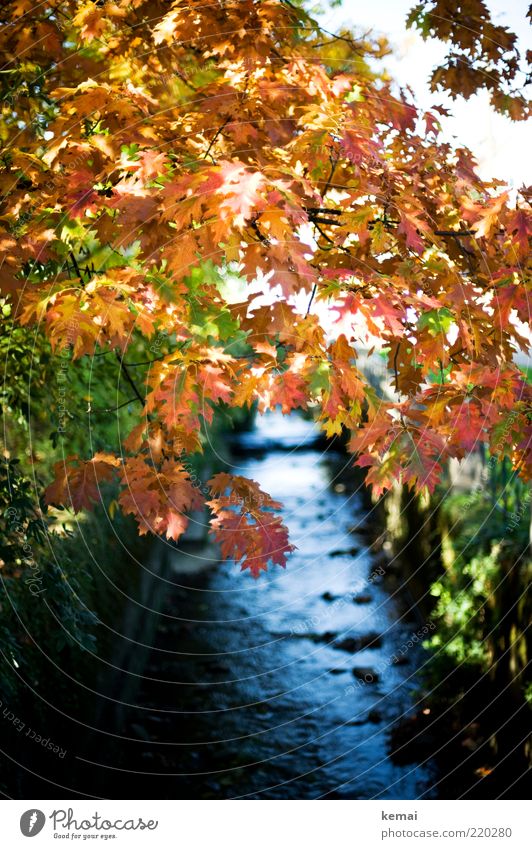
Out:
{"x": 283, "y": 687}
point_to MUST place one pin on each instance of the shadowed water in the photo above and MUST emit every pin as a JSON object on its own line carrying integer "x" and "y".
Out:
{"x": 284, "y": 687}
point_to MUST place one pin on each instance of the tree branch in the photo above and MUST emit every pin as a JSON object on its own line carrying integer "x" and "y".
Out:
{"x": 146, "y": 362}
{"x": 215, "y": 136}
{"x": 129, "y": 379}
{"x": 314, "y": 289}
{"x": 111, "y": 409}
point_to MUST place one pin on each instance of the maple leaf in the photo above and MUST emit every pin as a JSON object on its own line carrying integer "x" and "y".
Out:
{"x": 382, "y": 472}
{"x": 519, "y": 223}
{"x": 90, "y": 20}
{"x": 240, "y": 189}
{"x": 358, "y": 148}
{"x": 409, "y": 226}
{"x": 9, "y": 265}
{"x": 213, "y": 384}
{"x": 244, "y": 526}
{"x": 485, "y": 219}
{"x": 165, "y": 29}
{"x": 274, "y": 222}
{"x": 158, "y": 498}
{"x": 422, "y": 467}
{"x": 389, "y": 314}
{"x": 376, "y": 434}
{"x": 77, "y": 482}
{"x": 175, "y": 397}
{"x": 289, "y": 390}
{"x": 151, "y": 163}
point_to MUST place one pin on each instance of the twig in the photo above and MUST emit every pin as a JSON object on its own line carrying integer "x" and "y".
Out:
{"x": 325, "y": 236}
{"x": 454, "y": 233}
{"x": 334, "y": 162}
{"x": 111, "y": 409}
{"x": 331, "y": 221}
{"x": 146, "y": 362}
{"x": 318, "y": 210}
{"x": 76, "y": 266}
{"x": 216, "y": 135}
{"x": 129, "y": 379}
{"x": 354, "y": 45}
{"x": 395, "y": 368}
{"x": 314, "y": 289}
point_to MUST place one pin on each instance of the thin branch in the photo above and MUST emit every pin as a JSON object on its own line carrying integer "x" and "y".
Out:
{"x": 314, "y": 289}
{"x": 469, "y": 255}
{"x": 334, "y": 162}
{"x": 185, "y": 81}
{"x": 355, "y": 45}
{"x": 146, "y": 362}
{"x": 213, "y": 140}
{"x": 325, "y": 236}
{"x": 395, "y": 368}
{"x": 318, "y": 210}
{"x": 316, "y": 213}
{"x": 454, "y": 233}
{"x": 129, "y": 379}
{"x": 157, "y": 359}
{"x": 76, "y": 266}
{"x": 279, "y": 55}
{"x": 330, "y": 221}
{"x": 261, "y": 238}
{"x": 111, "y": 409}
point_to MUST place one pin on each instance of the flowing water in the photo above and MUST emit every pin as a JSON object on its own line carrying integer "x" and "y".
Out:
{"x": 287, "y": 686}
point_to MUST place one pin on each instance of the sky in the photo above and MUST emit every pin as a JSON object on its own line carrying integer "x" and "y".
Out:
{"x": 502, "y": 147}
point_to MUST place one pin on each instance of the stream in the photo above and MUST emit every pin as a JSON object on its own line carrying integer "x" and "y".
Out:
{"x": 287, "y": 686}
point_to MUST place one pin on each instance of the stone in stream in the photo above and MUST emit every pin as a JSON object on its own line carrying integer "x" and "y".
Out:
{"x": 339, "y": 552}
{"x": 362, "y": 599}
{"x": 327, "y": 596}
{"x": 337, "y": 671}
{"x": 374, "y": 716}
{"x": 326, "y": 637}
{"x": 366, "y": 674}
{"x": 354, "y": 644}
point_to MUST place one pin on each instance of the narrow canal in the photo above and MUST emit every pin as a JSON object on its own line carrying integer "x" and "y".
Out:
{"x": 287, "y": 686}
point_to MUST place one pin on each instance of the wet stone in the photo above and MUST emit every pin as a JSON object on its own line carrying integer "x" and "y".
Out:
{"x": 354, "y": 644}
{"x": 374, "y": 716}
{"x": 341, "y": 552}
{"x": 326, "y": 637}
{"x": 366, "y": 674}
{"x": 327, "y": 596}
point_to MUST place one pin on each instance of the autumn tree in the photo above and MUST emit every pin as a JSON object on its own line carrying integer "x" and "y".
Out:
{"x": 243, "y": 199}
{"x": 482, "y": 54}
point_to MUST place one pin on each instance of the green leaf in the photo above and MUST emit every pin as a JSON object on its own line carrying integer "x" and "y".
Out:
{"x": 436, "y": 321}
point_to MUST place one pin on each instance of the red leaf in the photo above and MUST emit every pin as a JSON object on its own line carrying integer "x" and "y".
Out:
{"x": 77, "y": 482}
{"x": 244, "y": 526}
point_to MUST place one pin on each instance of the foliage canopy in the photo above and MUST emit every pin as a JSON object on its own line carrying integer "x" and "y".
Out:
{"x": 243, "y": 197}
